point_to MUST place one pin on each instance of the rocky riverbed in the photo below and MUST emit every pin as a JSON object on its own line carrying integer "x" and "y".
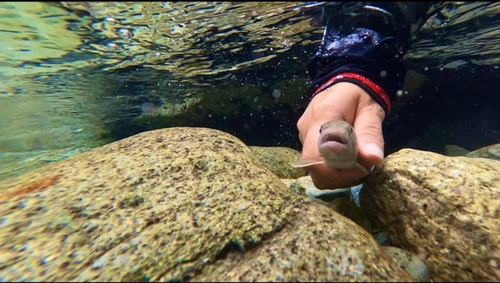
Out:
{"x": 197, "y": 204}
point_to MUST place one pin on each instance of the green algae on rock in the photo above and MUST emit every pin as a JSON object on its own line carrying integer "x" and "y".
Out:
{"x": 277, "y": 160}
{"x": 491, "y": 151}
{"x": 443, "y": 209}
{"x": 221, "y": 103}
{"x": 455, "y": 150}
{"x": 200, "y": 207}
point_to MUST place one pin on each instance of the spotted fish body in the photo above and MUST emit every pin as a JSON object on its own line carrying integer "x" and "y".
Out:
{"x": 337, "y": 145}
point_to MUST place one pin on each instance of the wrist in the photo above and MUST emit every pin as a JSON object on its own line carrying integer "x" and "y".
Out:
{"x": 372, "y": 89}
{"x": 345, "y": 101}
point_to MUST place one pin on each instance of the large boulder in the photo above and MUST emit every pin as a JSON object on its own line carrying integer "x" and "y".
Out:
{"x": 491, "y": 151}
{"x": 445, "y": 210}
{"x": 454, "y": 150}
{"x": 340, "y": 200}
{"x": 176, "y": 204}
{"x": 277, "y": 159}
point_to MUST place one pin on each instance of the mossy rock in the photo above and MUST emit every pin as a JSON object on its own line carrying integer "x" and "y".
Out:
{"x": 491, "y": 151}
{"x": 278, "y": 159}
{"x": 200, "y": 207}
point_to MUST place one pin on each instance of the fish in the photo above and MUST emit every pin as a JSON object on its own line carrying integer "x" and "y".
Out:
{"x": 337, "y": 145}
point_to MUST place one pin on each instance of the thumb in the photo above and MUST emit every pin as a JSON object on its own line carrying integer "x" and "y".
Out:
{"x": 368, "y": 129}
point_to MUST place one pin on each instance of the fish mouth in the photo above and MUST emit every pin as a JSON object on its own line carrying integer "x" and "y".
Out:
{"x": 333, "y": 138}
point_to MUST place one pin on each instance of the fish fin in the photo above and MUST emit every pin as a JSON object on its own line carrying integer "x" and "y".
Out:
{"x": 366, "y": 173}
{"x": 306, "y": 162}
{"x": 363, "y": 169}
{"x": 317, "y": 20}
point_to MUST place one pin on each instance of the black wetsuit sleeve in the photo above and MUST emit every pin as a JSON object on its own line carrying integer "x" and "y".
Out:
{"x": 368, "y": 39}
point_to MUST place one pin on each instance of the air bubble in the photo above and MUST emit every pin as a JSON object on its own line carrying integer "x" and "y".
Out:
{"x": 383, "y": 73}
{"x": 399, "y": 93}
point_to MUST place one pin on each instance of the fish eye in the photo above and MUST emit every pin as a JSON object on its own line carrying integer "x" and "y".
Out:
{"x": 320, "y": 130}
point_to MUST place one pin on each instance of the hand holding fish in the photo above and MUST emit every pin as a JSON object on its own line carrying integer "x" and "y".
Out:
{"x": 341, "y": 155}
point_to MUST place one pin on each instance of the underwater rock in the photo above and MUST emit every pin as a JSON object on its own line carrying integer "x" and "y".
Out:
{"x": 383, "y": 238}
{"x": 176, "y": 204}
{"x": 454, "y": 150}
{"x": 305, "y": 186}
{"x": 347, "y": 208}
{"x": 278, "y": 159}
{"x": 244, "y": 110}
{"x": 18, "y": 163}
{"x": 288, "y": 182}
{"x": 444, "y": 209}
{"x": 290, "y": 91}
{"x": 409, "y": 262}
{"x": 413, "y": 81}
{"x": 339, "y": 200}
{"x": 491, "y": 151}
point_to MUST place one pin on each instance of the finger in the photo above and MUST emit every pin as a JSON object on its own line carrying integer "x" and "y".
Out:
{"x": 302, "y": 124}
{"x": 310, "y": 144}
{"x": 368, "y": 129}
{"x": 327, "y": 178}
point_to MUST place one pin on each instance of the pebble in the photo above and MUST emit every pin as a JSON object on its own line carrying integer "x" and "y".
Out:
{"x": 493, "y": 263}
{"x": 409, "y": 262}
{"x": 383, "y": 238}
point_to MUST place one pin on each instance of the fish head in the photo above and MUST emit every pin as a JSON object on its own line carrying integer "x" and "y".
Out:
{"x": 337, "y": 144}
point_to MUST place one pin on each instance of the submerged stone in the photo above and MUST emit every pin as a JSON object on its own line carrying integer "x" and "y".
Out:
{"x": 199, "y": 207}
{"x": 278, "y": 159}
{"x": 444, "y": 209}
{"x": 409, "y": 262}
{"x": 491, "y": 151}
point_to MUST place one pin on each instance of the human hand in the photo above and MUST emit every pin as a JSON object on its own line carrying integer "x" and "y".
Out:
{"x": 352, "y": 104}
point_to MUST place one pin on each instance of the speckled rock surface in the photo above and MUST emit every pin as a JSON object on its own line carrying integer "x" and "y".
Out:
{"x": 278, "y": 159}
{"x": 316, "y": 247}
{"x": 176, "y": 204}
{"x": 443, "y": 209}
{"x": 339, "y": 200}
{"x": 491, "y": 151}
{"x": 305, "y": 186}
{"x": 409, "y": 262}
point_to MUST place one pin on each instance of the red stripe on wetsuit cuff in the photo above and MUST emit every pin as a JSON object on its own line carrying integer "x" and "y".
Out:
{"x": 373, "y": 86}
